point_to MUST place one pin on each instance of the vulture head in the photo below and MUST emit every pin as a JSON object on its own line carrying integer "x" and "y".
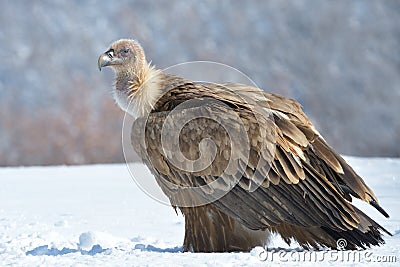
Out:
{"x": 136, "y": 81}
{"x": 123, "y": 56}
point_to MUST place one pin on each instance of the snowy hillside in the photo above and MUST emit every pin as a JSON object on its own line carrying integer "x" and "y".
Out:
{"x": 96, "y": 215}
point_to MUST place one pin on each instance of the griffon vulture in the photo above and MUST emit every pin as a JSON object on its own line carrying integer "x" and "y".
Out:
{"x": 238, "y": 162}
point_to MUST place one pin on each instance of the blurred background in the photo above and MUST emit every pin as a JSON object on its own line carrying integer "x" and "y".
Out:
{"x": 339, "y": 59}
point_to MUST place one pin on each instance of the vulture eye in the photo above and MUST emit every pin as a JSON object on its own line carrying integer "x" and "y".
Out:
{"x": 124, "y": 52}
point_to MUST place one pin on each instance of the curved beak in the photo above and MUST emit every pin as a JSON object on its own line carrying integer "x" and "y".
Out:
{"x": 103, "y": 61}
{"x": 107, "y": 59}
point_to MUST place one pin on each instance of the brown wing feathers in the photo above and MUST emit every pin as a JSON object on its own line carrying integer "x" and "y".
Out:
{"x": 333, "y": 166}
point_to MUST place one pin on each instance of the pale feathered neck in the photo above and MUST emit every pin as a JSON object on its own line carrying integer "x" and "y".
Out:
{"x": 137, "y": 92}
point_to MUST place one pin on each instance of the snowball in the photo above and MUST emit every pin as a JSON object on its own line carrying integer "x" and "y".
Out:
{"x": 86, "y": 240}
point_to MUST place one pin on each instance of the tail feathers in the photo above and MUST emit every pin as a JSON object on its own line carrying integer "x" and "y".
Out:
{"x": 368, "y": 233}
{"x": 355, "y": 239}
{"x": 369, "y": 224}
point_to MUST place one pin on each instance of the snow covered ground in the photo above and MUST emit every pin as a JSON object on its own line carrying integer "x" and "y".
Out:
{"x": 96, "y": 215}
